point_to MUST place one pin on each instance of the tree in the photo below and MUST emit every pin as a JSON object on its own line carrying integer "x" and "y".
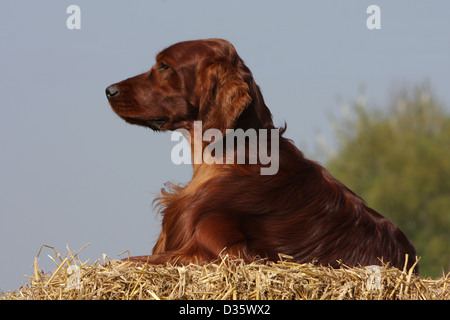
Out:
{"x": 398, "y": 160}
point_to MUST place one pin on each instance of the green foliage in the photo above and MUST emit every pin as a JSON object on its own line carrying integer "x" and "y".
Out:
{"x": 398, "y": 160}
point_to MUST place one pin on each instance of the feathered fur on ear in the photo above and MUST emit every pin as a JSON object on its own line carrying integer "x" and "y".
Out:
{"x": 223, "y": 96}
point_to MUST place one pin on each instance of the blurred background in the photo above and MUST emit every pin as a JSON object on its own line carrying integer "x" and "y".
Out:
{"x": 373, "y": 106}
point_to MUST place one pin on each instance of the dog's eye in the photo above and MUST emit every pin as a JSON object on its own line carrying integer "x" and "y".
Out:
{"x": 162, "y": 67}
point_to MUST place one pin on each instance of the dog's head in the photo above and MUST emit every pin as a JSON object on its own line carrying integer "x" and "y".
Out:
{"x": 194, "y": 80}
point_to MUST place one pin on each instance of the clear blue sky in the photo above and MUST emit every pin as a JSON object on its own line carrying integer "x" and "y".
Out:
{"x": 73, "y": 173}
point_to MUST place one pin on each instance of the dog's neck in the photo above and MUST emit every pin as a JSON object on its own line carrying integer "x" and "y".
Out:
{"x": 256, "y": 115}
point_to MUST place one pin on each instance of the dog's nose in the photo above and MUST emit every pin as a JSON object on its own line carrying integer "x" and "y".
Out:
{"x": 111, "y": 91}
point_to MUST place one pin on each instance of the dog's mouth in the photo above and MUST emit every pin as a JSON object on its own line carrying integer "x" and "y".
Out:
{"x": 159, "y": 121}
{"x": 156, "y": 124}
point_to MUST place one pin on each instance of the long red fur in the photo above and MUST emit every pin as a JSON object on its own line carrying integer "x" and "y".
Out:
{"x": 301, "y": 211}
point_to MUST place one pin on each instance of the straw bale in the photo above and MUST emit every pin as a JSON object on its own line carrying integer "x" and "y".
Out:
{"x": 225, "y": 279}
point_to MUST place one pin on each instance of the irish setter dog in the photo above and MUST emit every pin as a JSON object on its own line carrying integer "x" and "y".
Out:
{"x": 300, "y": 211}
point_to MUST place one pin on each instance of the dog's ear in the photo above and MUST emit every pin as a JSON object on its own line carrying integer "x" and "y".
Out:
{"x": 223, "y": 95}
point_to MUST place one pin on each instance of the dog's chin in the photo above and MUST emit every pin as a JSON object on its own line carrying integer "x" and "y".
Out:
{"x": 156, "y": 124}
